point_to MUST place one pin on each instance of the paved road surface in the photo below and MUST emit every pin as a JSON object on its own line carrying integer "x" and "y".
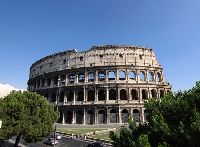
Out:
{"x": 63, "y": 142}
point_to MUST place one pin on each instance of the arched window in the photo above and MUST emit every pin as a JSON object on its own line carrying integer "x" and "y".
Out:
{"x": 150, "y": 76}
{"x": 113, "y": 116}
{"x": 123, "y": 95}
{"x": 81, "y": 77}
{"x": 70, "y": 96}
{"x": 134, "y": 94}
{"x": 43, "y": 82}
{"x": 63, "y": 79}
{"x": 142, "y": 76}
{"x": 144, "y": 94}
{"x": 124, "y": 116}
{"x": 61, "y": 99}
{"x": 71, "y": 78}
{"x": 101, "y": 95}
{"x": 112, "y": 94}
{"x": 90, "y": 77}
{"x": 161, "y": 93}
{"x": 158, "y": 77}
{"x": 90, "y": 117}
{"x": 80, "y": 95}
{"x": 101, "y": 117}
{"x": 111, "y": 75}
{"x": 49, "y": 82}
{"x": 153, "y": 93}
{"x": 122, "y": 75}
{"x": 91, "y": 95}
{"x": 136, "y": 115}
{"x": 132, "y": 75}
{"x": 69, "y": 116}
{"x": 79, "y": 117}
{"x": 101, "y": 76}
{"x": 55, "y": 80}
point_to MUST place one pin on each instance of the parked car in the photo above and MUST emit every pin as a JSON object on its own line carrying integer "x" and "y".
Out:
{"x": 96, "y": 144}
{"x": 58, "y": 136}
{"x": 50, "y": 141}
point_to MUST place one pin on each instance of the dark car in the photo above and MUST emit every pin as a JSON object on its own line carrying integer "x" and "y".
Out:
{"x": 50, "y": 141}
{"x": 96, "y": 144}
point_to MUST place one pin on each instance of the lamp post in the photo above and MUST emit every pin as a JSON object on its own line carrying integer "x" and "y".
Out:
{"x": 57, "y": 98}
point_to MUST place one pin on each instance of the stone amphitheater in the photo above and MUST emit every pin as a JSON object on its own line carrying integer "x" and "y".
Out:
{"x": 103, "y": 85}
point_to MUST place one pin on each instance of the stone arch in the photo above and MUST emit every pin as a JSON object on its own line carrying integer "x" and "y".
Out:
{"x": 90, "y": 77}
{"x": 101, "y": 95}
{"x": 42, "y": 82}
{"x": 101, "y": 117}
{"x": 158, "y": 77}
{"x": 122, "y": 75}
{"x": 162, "y": 93}
{"x": 49, "y": 81}
{"x": 136, "y": 115}
{"x": 150, "y": 76}
{"x": 144, "y": 94}
{"x": 132, "y": 75}
{"x": 101, "y": 76}
{"x": 91, "y": 95}
{"x": 79, "y": 116}
{"x": 71, "y": 78}
{"x": 153, "y": 93}
{"x": 70, "y": 97}
{"x": 134, "y": 94}
{"x": 111, "y": 76}
{"x": 145, "y": 115}
{"x": 53, "y": 97}
{"x": 123, "y": 94}
{"x": 69, "y": 117}
{"x": 142, "y": 76}
{"x": 113, "y": 116}
{"x": 55, "y": 80}
{"x": 112, "y": 94}
{"x": 124, "y": 116}
{"x": 90, "y": 117}
{"x": 80, "y": 96}
{"x": 61, "y": 97}
{"x": 81, "y": 77}
{"x": 63, "y": 79}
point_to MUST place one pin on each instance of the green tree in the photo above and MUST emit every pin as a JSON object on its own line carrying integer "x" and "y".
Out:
{"x": 27, "y": 115}
{"x": 172, "y": 121}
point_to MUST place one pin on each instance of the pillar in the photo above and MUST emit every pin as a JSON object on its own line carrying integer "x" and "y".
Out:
{"x": 86, "y": 77}
{"x": 74, "y": 99}
{"x": 84, "y": 116}
{"x": 63, "y": 118}
{"x": 120, "y": 119}
{"x": 96, "y": 76}
{"x": 96, "y": 94}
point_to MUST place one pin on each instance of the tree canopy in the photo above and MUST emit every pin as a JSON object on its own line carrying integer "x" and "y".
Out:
{"x": 26, "y": 114}
{"x": 172, "y": 121}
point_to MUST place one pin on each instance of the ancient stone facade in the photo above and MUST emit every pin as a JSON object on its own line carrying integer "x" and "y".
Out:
{"x": 105, "y": 84}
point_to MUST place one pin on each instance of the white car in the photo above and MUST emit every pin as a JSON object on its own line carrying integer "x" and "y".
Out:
{"x": 58, "y": 136}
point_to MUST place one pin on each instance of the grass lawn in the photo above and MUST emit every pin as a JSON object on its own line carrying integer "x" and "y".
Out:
{"x": 80, "y": 130}
{"x": 104, "y": 136}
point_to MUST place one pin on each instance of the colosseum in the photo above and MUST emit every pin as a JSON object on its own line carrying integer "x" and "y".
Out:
{"x": 105, "y": 84}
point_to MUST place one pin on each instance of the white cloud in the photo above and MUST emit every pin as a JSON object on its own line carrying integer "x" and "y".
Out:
{"x": 5, "y": 89}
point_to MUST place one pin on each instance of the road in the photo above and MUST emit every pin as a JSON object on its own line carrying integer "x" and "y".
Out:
{"x": 63, "y": 142}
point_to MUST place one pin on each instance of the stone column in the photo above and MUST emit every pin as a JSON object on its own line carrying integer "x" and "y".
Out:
{"x": 118, "y": 94}
{"x": 116, "y": 75}
{"x": 96, "y": 76}
{"x": 63, "y": 118}
{"x": 74, "y": 99}
{"x": 127, "y": 75}
{"x": 84, "y": 116}
{"x": 65, "y": 97}
{"x": 147, "y": 76}
{"x": 96, "y": 94}
{"x": 96, "y": 116}
{"x": 120, "y": 117}
{"x": 74, "y": 117}
{"x": 106, "y": 76}
{"x": 128, "y": 94}
{"x": 86, "y": 77}
{"x": 84, "y": 94}
{"x": 96, "y": 97}
{"x": 142, "y": 114}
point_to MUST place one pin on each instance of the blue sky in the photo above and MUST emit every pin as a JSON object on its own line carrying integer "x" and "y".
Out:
{"x": 30, "y": 30}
